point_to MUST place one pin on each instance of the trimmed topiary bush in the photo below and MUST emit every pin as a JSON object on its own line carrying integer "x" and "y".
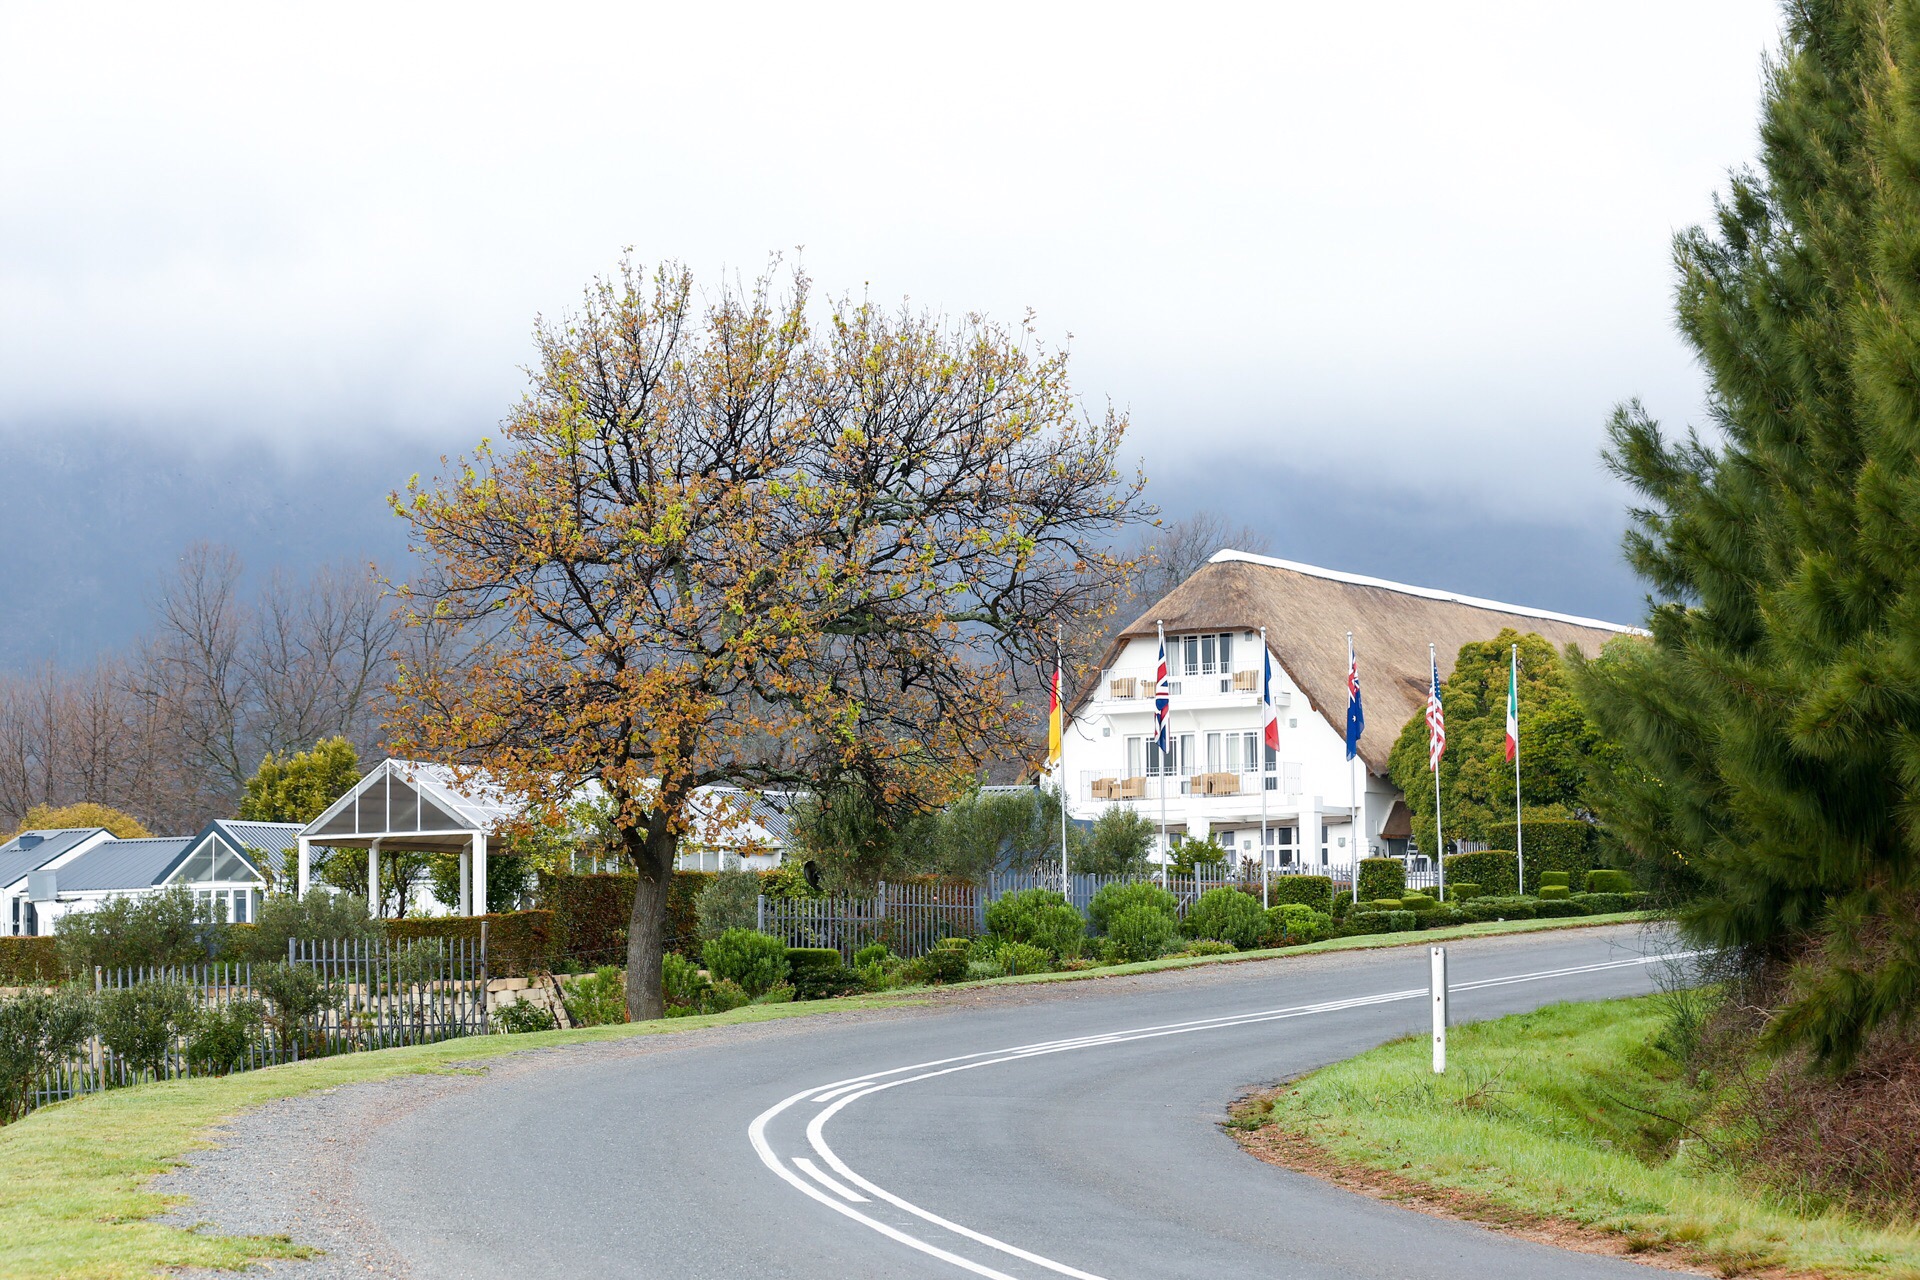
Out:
{"x": 1140, "y": 931}
{"x": 1307, "y": 891}
{"x": 1363, "y": 922}
{"x": 1550, "y": 908}
{"x": 1601, "y": 904}
{"x": 1462, "y": 892}
{"x": 1494, "y": 869}
{"x": 1228, "y": 915}
{"x": 816, "y": 972}
{"x": 1418, "y": 903}
{"x": 1500, "y": 908}
{"x": 1553, "y": 844}
{"x": 754, "y": 960}
{"x": 1608, "y": 880}
{"x": 1385, "y": 904}
{"x": 1562, "y": 878}
{"x": 1112, "y": 899}
{"x": 1382, "y": 878}
{"x": 1553, "y": 892}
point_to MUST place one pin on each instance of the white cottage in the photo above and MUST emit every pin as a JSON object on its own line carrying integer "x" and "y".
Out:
{"x": 209, "y": 865}
{"x": 1317, "y": 809}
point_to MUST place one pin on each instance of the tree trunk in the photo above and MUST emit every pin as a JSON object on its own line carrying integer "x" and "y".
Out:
{"x": 652, "y": 852}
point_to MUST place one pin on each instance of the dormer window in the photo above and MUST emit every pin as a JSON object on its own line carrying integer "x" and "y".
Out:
{"x": 1206, "y": 655}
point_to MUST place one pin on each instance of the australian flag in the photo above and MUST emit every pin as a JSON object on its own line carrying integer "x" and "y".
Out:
{"x": 1356, "y": 719}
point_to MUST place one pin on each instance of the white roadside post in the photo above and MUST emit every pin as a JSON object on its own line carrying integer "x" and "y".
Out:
{"x": 1437, "y": 982}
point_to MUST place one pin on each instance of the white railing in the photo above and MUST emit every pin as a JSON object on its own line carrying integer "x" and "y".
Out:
{"x": 1224, "y": 786}
{"x": 1121, "y": 684}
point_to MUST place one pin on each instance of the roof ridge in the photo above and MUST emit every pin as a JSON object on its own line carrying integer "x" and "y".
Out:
{"x": 1227, "y": 555}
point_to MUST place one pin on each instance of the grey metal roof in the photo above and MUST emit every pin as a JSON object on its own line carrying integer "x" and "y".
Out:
{"x": 15, "y": 861}
{"x": 124, "y": 864}
{"x": 276, "y": 842}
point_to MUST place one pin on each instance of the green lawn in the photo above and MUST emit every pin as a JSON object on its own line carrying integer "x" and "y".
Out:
{"x": 1567, "y": 1114}
{"x": 72, "y": 1177}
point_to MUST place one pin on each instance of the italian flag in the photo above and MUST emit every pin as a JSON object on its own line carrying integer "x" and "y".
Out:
{"x": 1053, "y": 721}
{"x": 1513, "y": 706}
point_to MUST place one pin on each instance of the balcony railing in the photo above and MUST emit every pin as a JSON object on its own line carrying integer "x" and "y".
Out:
{"x": 1121, "y": 684}
{"x": 1094, "y": 786}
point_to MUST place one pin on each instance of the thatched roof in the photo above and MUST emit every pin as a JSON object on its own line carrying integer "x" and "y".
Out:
{"x": 1308, "y": 611}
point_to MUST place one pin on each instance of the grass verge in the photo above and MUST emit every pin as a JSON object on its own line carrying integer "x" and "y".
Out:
{"x": 1563, "y": 1124}
{"x": 73, "y": 1196}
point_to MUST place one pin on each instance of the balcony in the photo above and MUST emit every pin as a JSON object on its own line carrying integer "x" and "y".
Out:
{"x": 1124, "y": 689}
{"x": 1209, "y": 795}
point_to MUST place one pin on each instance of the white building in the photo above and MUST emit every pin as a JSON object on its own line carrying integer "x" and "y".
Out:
{"x": 25, "y": 859}
{"x": 1216, "y": 778}
{"x": 90, "y": 867}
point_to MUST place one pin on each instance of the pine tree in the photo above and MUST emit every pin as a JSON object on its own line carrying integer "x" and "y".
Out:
{"x": 1774, "y": 720}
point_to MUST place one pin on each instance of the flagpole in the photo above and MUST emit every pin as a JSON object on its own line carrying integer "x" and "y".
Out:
{"x": 1439, "y": 841}
{"x": 1519, "y": 836}
{"x": 1060, "y": 697}
{"x": 1164, "y": 739}
{"x": 1353, "y": 798}
{"x": 1266, "y": 872}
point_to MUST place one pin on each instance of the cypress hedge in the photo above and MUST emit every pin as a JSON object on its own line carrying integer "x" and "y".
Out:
{"x": 1308, "y": 891}
{"x": 1492, "y": 869}
{"x": 1553, "y": 844}
{"x": 591, "y": 914}
{"x": 29, "y": 962}
{"x": 518, "y": 942}
{"x": 1382, "y": 878}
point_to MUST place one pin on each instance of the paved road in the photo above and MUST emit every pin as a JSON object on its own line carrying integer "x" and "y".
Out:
{"x": 1068, "y": 1130}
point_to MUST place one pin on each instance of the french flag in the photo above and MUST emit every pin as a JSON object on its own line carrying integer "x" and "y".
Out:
{"x": 1271, "y": 728}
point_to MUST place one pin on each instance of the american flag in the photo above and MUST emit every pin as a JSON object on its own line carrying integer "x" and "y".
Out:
{"x": 1161, "y": 700}
{"x": 1436, "y": 724}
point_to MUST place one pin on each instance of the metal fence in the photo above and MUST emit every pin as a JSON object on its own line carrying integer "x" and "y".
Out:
{"x": 371, "y": 995}
{"x": 908, "y": 918}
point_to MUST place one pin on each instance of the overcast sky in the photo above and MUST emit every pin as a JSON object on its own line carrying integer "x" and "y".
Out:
{"x": 1411, "y": 249}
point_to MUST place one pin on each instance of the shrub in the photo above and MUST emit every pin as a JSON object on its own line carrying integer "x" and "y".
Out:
{"x": 522, "y": 1017}
{"x": 591, "y": 914}
{"x": 1493, "y": 869}
{"x": 1040, "y": 917}
{"x": 140, "y": 1023}
{"x": 1363, "y": 922}
{"x": 1500, "y": 908}
{"x": 724, "y": 995}
{"x": 1601, "y": 904}
{"x": 778, "y": 993}
{"x": 160, "y": 929}
{"x": 945, "y": 963}
{"x": 1385, "y": 904}
{"x": 1382, "y": 878}
{"x": 1462, "y": 892}
{"x": 754, "y": 960}
{"x": 221, "y": 1038}
{"x": 1112, "y": 899}
{"x": 816, "y": 972}
{"x": 1022, "y": 958}
{"x": 1553, "y": 844}
{"x": 518, "y": 942}
{"x": 988, "y": 967}
{"x": 599, "y": 999}
{"x": 1419, "y": 903}
{"x": 296, "y": 997}
{"x": 874, "y": 953}
{"x": 1208, "y": 947}
{"x": 29, "y": 962}
{"x": 1608, "y": 880}
{"x": 1549, "y": 908}
{"x": 1140, "y": 931}
{"x": 1293, "y": 924}
{"x": 1229, "y": 916}
{"x": 318, "y": 915}
{"x": 1441, "y": 916}
{"x": 1116, "y": 845}
{"x": 1551, "y": 892}
{"x": 1308, "y": 891}
{"x": 731, "y": 900}
{"x": 682, "y": 985}
{"x": 38, "y": 1031}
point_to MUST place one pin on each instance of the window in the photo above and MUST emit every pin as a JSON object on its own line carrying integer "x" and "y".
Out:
{"x": 1206, "y": 655}
{"x": 1145, "y": 761}
{"x": 1232, "y": 752}
{"x": 1291, "y": 779}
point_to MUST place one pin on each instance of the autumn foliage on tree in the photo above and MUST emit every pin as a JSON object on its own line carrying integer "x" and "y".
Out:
{"x": 718, "y": 545}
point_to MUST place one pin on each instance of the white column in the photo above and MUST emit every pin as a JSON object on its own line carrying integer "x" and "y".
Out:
{"x": 303, "y": 875}
{"x": 480, "y": 872}
{"x": 373, "y": 876}
{"x": 465, "y": 904}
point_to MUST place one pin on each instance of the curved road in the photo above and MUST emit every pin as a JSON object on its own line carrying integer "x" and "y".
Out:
{"x": 1064, "y": 1130}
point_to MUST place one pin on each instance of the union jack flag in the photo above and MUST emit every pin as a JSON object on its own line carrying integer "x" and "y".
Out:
{"x": 1436, "y": 724}
{"x": 1161, "y": 700}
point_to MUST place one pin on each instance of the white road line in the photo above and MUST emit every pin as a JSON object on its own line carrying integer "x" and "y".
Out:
{"x": 834, "y": 1185}
{"x": 840, "y": 1093}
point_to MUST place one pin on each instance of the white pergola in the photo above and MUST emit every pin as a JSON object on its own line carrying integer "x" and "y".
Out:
{"x": 405, "y": 806}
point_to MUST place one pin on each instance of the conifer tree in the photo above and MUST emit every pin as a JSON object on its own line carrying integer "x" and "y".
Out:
{"x": 1775, "y": 717}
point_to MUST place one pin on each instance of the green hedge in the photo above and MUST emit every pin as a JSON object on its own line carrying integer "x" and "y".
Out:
{"x": 1607, "y": 880}
{"x": 28, "y": 962}
{"x": 591, "y": 914}
{"x": 1601, "y": 904}
{"x": 1382, "y": 878}
{"x": 1554, "y": 891}
{"x": 1462, "y": 892}
{"x": 1360, "y": 922}
{"x": 1553, "y": 844}
{"x": 1308, "y": 891}
{"x": 1491, "y": 869}
{"x": 518, "y": 942}
{"x": 1547, "y": 908}
{"x": 1501, "y": 908}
